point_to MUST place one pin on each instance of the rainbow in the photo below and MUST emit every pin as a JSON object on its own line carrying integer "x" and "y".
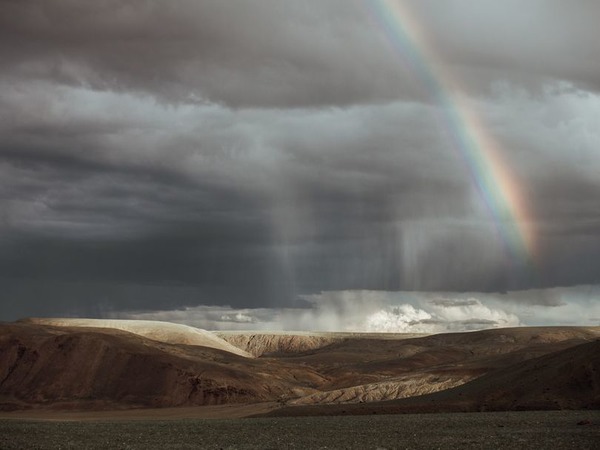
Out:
{"x": 496, "y": 187}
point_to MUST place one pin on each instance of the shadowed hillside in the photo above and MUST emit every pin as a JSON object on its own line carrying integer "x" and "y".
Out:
{"x": 102, "y": 368}
{"x": 567, "y": 379}
{"x": 171, "y": 333}
{"x": 290, "y": 343}
{"x": 82, "y": 366}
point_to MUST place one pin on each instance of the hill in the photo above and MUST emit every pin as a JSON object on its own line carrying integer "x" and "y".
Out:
{"x": 96, "y": 365}
{"x": 172, "y": 333}
{"x": 567, "y": 379}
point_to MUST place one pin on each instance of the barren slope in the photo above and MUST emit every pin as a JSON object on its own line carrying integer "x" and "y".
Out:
{"x": 367, "y": 369}
{"x": 82, "y": 366}
{"x": 567, "y": 379}
{"x": 293, "y": 342}
{"x": 390, "y": 389}
{"x": 108, "y": 368}
{"x": 259, "y": 344}
{"x": 172, "y": 333}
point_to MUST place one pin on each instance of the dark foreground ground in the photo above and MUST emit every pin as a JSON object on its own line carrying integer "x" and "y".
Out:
{"x": 506, "y": 430}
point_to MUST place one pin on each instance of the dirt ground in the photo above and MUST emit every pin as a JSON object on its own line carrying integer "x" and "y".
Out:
{"x": 227, "y": 411}
{"x": 507, "y": 430}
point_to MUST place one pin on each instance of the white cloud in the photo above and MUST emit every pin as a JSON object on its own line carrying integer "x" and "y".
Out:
{"x": 404, "y": 312}
{"x": 403, "y": 318}
{"x": 238, "y": 317}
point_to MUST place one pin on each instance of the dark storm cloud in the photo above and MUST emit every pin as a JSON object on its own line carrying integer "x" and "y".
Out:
{"x": 273, "y": 53}
{"x": 128, "y": 215}
{"x": 267, "y": 53}
{"x": 160, "y": 155}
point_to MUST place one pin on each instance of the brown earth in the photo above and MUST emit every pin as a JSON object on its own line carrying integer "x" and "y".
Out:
{"x": 171, "y": 333}
{"x": 289, "y": 343}
{"x": 523, "y": 430}
{"x": 99, "y": 368}
{"x": 567, "y": 379}
{"x": 44, "y": 367}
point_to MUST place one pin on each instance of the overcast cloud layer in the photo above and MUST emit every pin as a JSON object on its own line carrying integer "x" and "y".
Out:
{"x": 158, "y": 157}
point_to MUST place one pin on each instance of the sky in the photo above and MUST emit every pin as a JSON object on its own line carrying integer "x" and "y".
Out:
{"x": 366, "y": 165}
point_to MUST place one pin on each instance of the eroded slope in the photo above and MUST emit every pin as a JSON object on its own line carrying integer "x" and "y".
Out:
{"x": 566, "y": 379}
{"x": 172, "y": 333}
{"x": 107, "y": 368}
{"x": 83, "y": 366}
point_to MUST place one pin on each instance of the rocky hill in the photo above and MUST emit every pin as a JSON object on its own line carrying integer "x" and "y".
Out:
{"x": 171, "y": 333}
{"x": 86, "y": 364}
{"x": 567, "y": 379}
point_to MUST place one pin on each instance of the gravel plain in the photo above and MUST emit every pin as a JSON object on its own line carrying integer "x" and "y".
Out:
{"x": 498, "y": 430}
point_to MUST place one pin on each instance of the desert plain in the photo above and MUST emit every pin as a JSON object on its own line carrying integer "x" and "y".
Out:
{"x": 77, "y": 383}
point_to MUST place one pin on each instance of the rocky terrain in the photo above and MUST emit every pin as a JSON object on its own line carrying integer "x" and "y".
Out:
{"x": 76, "y": 364}
{"x": 171, "y": 333}
{"x": 568, "y": 379}
{"x": 95, "y": 368}
{"x": 536, "y": 430}
{"x": 282, "y": 343}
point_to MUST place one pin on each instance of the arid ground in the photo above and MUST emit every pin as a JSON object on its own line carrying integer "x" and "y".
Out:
{"x": 76, "y": 378}
{"x": 499, "y": 430}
